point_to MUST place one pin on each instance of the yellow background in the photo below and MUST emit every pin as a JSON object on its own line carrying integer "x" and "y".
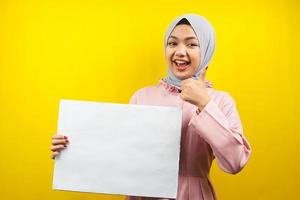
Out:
{"x": 106, "y": 50}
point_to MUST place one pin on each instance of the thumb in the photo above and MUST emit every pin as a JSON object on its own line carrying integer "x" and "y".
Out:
{"x": 202, "y": 75}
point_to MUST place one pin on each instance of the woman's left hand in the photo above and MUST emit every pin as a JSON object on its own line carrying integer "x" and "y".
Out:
{"x": 194, "y": 91}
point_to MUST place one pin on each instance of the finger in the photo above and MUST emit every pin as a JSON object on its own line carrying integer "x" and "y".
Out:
{"x": 182, "y": 87}
{"x": 57, "y": 147}
{"x": 60, "y": 141}
{"x": 202, "y": 75}
{"x": 59, "y": 136}
{"x": 54, "y": 154}
{"x": 185, "y": 82}
{"x": 182, "y": 84}
{"x": 182, "y": 96}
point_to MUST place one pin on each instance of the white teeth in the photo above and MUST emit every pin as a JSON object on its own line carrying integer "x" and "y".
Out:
{"x": 179, "y": 62}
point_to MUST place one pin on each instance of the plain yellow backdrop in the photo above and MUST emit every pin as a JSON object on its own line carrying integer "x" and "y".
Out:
{"x": 105, "y": 50}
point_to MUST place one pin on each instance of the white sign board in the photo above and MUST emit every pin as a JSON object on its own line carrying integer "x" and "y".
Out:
{"x": 119, "y": 149}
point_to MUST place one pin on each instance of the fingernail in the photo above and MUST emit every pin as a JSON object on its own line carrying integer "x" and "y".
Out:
{"x": 65, "y": 137}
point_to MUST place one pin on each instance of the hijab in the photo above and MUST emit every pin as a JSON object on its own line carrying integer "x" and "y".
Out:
{"x": 206, "y": 38}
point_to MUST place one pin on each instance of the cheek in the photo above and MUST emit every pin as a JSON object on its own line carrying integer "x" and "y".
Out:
{"x": 168, "y": 55}
{"x": 195, "y": 58}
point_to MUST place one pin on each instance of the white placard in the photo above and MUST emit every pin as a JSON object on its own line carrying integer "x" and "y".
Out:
{"x": 119, "y": 149}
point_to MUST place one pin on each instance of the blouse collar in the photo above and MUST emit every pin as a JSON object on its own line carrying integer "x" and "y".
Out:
{"x": 173, "y": 89}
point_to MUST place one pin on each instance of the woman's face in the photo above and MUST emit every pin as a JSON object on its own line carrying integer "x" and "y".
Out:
{"x": 183, "y": 52}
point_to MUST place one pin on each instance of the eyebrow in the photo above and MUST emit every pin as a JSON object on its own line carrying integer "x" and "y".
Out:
{"x": 187, "y": 38}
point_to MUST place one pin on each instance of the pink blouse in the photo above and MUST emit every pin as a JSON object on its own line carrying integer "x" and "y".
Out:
{"x": 215, "y": 132}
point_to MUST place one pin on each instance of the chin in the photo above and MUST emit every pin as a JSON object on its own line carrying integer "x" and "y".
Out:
{"x": 181, "y": 75}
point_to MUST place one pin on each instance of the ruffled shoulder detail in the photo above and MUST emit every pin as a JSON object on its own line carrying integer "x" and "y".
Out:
{"x": 169, "y": 87}
{"x": 172, "y": 88}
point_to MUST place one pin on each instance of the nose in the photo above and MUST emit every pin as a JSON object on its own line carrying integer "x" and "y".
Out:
{"x": 180, "y": 51}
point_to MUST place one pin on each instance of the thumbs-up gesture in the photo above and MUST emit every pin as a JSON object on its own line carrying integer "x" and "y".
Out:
{"x": 194, "y": 91}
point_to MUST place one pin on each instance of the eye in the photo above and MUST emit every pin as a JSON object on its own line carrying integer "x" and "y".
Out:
{"x": 171, "y": 43}
{"x": 192, "y": 45}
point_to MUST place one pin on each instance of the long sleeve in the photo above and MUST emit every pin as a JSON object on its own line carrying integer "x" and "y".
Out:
{"x": 220, "y": 126}
{"x": 133, "y": 99}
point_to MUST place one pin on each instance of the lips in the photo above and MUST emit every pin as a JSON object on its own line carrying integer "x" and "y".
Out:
{"x": 181, "y": 65}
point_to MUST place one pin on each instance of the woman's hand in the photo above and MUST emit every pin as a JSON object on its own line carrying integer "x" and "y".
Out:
{"x": 194, "y": 91}
{"x": 59, "y": 142}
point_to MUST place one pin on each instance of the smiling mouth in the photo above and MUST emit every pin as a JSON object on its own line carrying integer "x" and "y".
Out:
{"x": 181, "y": 65}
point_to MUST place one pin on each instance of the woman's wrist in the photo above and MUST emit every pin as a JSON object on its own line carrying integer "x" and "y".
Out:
{"x": 202, "y": 104}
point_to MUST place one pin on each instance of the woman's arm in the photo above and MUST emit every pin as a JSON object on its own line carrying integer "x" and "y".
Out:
{"x": 133, "y": 99}
{"x": 220, "y": 126}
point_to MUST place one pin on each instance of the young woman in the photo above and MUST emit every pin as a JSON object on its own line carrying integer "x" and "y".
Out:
{"x": 211, "y": 127}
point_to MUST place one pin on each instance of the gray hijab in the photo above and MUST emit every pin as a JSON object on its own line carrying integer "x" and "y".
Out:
{"x": 206, "y": 38}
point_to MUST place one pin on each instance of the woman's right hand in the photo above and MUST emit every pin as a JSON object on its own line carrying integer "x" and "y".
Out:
{"x": 59, "y": 142}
